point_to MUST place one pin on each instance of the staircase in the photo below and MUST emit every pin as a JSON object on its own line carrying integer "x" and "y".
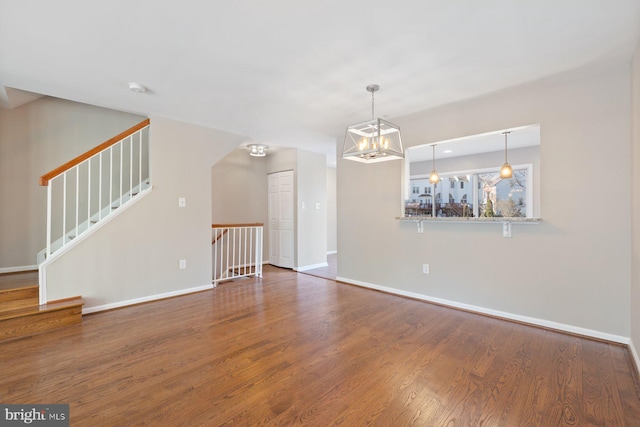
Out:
{"x": 82, "y": 196}
{"x": 20, "y": 313}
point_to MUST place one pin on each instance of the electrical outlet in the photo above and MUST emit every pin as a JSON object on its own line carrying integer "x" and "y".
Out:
{"x": 182, "y": 264}
{"x": 182, "y": 202}
{"x": 506, "y": 229}
{"x": 425, "y": 268}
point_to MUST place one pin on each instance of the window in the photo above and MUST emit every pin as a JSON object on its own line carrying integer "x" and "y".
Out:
{"x": 503, "y": 197}
{"x": 486, "y": 195}
{"x": 474, "y": 162}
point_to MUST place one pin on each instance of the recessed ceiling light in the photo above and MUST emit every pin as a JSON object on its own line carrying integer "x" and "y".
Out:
{"x": 137, "y": 87}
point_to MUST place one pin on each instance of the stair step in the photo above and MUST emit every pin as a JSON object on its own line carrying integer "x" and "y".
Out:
{"x": 19, "y": 279}
{"x": 19, "y": 293}
{"x": 18, "y": 304}
{"x": 40, "y": 318}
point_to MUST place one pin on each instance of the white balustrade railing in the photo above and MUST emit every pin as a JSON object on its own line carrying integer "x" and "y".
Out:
{"x": 237, "y": 251}
{"x": 91, "y": 187}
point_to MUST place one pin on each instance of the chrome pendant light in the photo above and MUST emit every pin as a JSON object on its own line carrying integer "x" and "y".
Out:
{"x": 372, "y": 141}
{"x": 434, "y": 178}
{"x": 506, "y": 171}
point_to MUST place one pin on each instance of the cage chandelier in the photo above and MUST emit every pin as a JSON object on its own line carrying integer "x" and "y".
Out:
{"x": 373, "y": 141}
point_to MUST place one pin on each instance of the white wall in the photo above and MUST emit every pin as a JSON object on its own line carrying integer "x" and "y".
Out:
{"x": 135, "y": 256}
{"x": 311, "y": 172}
{"x": 309, "y": 176}
{"x": 34, "y": 139}
{"x": 571, "y": 270}
{"x": 239, "y": 192}
{"x": 635, "y": 196}
{"x": 332, "y": 212}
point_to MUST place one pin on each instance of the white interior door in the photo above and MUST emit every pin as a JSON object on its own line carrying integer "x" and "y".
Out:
{"x": 281, "y": 246}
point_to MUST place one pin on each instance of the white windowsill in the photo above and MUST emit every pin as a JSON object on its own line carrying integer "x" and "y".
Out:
{"x": 470, "y": 219}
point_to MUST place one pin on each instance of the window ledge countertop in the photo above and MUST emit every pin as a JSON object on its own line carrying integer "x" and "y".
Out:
{"x": 470, "y": 219}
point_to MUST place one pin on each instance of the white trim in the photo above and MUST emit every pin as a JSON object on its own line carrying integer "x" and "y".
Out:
{"x": 149, "y": 298}
{"x": 18, "y": 269}
{"x": 331, "y": 252}
{"x": 57, "y": 254}
{"x": 495, "y": 313}
{"x": 634, "y": 356}
{"x": 311, "y": 267}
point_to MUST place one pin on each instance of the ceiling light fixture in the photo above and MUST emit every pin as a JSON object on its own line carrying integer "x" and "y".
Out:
{"x": 505, "y": 170}
{"x": 434, "y": 178}
{"x": 137, "y": 87}
{"x": 257, "y": 150}
{"x": 372, "y": 141}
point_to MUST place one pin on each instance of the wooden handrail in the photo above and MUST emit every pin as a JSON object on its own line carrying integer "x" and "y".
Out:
{"x": 44, "y": 179}
{"x": 253, "y": 224}
{"x": 219, "y": 236}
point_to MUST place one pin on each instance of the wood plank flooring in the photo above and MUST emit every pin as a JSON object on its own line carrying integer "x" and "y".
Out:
{"x": 328, "y": 272}
{"x": 293, "y": 349}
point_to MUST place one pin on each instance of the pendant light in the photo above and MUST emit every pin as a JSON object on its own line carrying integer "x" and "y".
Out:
{"x": 434, "y": 178}
{"x": 505, "y": 170}
{"x": 372, "y": 141}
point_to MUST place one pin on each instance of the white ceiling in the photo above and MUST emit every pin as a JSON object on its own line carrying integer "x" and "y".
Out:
{"x": 294, "y": 72}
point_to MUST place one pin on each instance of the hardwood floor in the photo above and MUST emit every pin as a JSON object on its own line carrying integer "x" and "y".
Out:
{"x": 294, "y": 349}
{"x": 328, "y": 272}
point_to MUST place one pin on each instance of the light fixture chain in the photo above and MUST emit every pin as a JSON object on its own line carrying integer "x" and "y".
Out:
{"x": 505, "y": 145}
{"x": 373, "y": 116}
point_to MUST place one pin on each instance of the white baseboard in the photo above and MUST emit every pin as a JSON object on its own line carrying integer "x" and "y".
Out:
{"x": 634, "y": 355}
{"x": 18, "y": 269}
{"x": 311, "y": 267}
{"x": 331, "y": 252}
{"x": 495, "y": 313}
{"x": 120, "y": 304}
